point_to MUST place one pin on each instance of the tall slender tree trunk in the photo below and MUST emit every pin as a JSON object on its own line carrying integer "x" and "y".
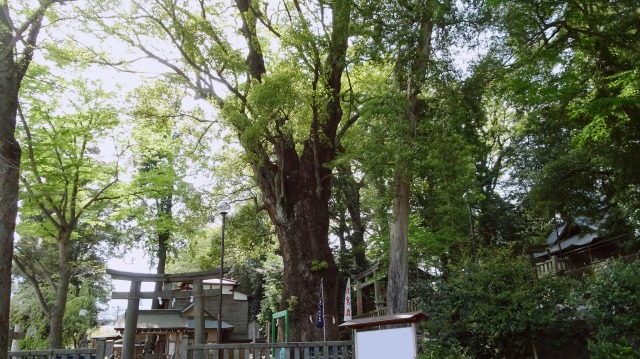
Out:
{"x": 398, "y": 280}
{"x": 11, "y": 74}
{"x": 352, "y": 200}
{"x": 164, "y": 207}
{"x": 9, "y": 175}
{"x": 57, "y": 313}
{"x": 348, "y": 189}
{"x": 418, "y": 59}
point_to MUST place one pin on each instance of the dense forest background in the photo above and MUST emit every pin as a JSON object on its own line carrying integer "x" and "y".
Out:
{"x": 440, "y": 137}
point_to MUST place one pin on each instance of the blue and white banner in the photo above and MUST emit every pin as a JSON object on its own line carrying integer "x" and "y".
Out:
{"x": 320, "y": 317}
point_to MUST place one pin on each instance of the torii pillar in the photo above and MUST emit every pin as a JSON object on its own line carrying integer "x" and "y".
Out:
{"x": 131, "y": 321}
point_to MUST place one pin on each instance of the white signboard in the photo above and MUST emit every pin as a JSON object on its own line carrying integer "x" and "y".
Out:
{"x": 397, "y": 343}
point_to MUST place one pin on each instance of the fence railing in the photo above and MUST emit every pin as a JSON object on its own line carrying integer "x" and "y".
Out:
{"x": 298, "y": 350}
{"x": 86, "y": 353}
{"x": 552, "y": 266}
{"x": 412, "y": 306}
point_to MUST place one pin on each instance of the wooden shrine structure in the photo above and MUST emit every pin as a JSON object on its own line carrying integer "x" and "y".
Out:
{"x": 134, "y": 295}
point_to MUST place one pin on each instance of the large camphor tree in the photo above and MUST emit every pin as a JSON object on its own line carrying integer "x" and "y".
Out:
{"x": 275, "y": 72}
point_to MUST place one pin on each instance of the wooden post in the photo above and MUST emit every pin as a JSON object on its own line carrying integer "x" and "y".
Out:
{"x": 131, "y": 322}
{"x": 359, "y": 296}
{"x": 198, "y": 308}
{"x": 15, "y": 344}
{"x": 378, "y": 295}
{"x": 101, "y": 345}
{"x": 184, "y": 347}
{"x": 167, "y": 295}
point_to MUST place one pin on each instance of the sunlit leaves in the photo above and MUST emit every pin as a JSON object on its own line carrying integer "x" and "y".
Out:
{"x": 496, "y": 303}
{"x": 167, "y": 161}
{"x": 64, "y": 125}
{"x": 612, "y": 306}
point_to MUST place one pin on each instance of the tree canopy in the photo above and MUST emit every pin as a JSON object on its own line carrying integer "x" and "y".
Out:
{"x": 423, "y": 134}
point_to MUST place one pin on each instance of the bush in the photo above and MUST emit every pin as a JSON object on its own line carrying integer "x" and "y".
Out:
{"x": 495, "y": 306}
{"x": 614, "y": 310}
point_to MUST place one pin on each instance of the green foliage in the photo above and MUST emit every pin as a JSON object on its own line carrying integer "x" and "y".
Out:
{"x": 613, "y": 308}
{"x": 62, "y": 132}
{"x": 249, "y": 233}
{"x": 435, "y": 349}
{"x": 86, "y": 299}
{"x": 292, "y": 302}
{"x": 574, "y": 87}
{"x": 85, "y": 302}
{"x": 26, "y": 311}
{"x": 161, "y": 206}
{"x": 248, "y": 238}
{"x": 494, "y": 304}
{"x": 317, "y": 265}
{"x": 67, "y": 190}
{"x": 272, "y": 271}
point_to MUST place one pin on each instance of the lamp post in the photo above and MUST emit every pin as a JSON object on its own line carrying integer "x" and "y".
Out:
{"x": 223, "y": 209}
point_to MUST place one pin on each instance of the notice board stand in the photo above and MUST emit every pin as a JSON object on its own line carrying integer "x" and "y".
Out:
{"x": 387, "y": 336}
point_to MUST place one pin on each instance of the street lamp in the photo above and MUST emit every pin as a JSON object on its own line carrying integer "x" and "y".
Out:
{"x": 223, "y": 209}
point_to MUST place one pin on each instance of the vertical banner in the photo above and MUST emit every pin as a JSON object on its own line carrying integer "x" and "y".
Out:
{"x": 347, "y": 301}
{"x": 320, "y": 316}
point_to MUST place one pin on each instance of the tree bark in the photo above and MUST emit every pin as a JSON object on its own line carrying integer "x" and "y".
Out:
{"x": 11, "y": 74}
{"x": 57, "y": 314}
{"x": 301, "y": 219}
{"x": 9, "y": 174}
{"x": 398, "y": 280}
{"x": 351, "y": 194}
{"x": 9, "y": 177}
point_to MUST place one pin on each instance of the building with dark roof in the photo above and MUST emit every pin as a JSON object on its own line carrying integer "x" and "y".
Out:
{"x": 176, "y": 318}
{"x": 578, "y": 244}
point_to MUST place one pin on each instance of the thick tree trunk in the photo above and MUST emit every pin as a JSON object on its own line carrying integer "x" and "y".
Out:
{"x": 57, "y": 313}
{"x": 296, "y": 186}
{"x": 297, "y": 199}
{"x": 11, "y": 74}
{"x": 9, "y": 177}
{"x": 398, "y": 280}
{"x": 308, "y": 260}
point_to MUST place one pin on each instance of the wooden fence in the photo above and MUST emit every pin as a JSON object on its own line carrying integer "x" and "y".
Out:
{"x": 306, "y": 350}
{"x": 298, "y": 350}
{"x": 86, "y": 353}
{"x": 412, "y": 306}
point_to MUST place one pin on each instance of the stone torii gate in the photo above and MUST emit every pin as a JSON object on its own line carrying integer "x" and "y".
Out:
{"x": 134, "y": 295}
